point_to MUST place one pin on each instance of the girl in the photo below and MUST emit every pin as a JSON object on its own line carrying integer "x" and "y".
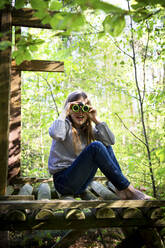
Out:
{"x": 78, "y": 150}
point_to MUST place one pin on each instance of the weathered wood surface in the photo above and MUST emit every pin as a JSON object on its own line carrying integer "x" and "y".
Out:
{"x": 15, "y": 119}
{"x": 44, "y": 191}
{"x": 16, "y": 197}
{"x": 105, "y": 213}
{"x": 62, "y": 204}
{"x": 58, "y": 222}
{"x": 74, "y": 214}
{"x": 129, "y": 213}
{"x": 44, "y": 214}
{"x": 23, "y": 180}
{"x": 88, "y": 195}
{"x": 5, "y": 71}
{"x": 39, "y": 65}
{"x": 103, "y": 192}
{"x": 155, "y": 213}
{"x": 15, "y": 125}
{"x": 16, "y": 215}
{"x": 27, "y": 189}
{"x": 25, "y": 17}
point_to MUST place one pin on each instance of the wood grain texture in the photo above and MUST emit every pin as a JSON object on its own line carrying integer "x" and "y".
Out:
{"x": 25, "y": 17}
{"x": 5, "y": 72}
{"x": 39, "y": 65}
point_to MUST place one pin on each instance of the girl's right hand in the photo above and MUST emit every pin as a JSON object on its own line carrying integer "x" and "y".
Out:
{"x": 68, "y": 107}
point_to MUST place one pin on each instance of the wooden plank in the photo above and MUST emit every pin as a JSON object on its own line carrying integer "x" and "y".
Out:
{"x": 16, "y": 197}
{"x": 103, "y": 192}
{"x": 15, "y": 125}
{"x": 39, "y": 65}
{"x": 15, "y": 121}
{"x": 57, "y": 222}
{"x": 5, "y": 69}
{"x": 102, "y": 213}
{"x": 23, "y": 180}
{"x": 16, "y": 215}
{"x": 129, "y": 213}
{"x": 63, "y": 204}
{"x": 44, "y": 191}
{"x": 25, "y": 18}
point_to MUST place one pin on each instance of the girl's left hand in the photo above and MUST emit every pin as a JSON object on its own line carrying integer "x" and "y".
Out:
{"x": 93, "y": 115}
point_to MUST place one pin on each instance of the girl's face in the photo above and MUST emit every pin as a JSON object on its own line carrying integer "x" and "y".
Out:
{"x": 79, "y": 118}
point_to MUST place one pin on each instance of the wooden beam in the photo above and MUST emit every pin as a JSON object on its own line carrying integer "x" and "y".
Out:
{"x": 5, "y": 71}
{"x": 15, "y": 121}
{"x": 57, "y": 222}
{"x": 16, "y": 197}
{"x": 63, "y": 204}
{"x": 15, "y": 125}
{"x": 23, "y": 180}
{"x": 103, "y": 192}
{"x": 25, "y": 18}
{"x": 39, "y": 65}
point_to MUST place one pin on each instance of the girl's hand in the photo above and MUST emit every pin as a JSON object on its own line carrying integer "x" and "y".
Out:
{"x": 68, "y": 107}
{"x": 66, "y": 111}
{"x": 93, "y": 115}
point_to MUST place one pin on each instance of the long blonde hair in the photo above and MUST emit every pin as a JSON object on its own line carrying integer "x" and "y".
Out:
{"x": 87, "y": 126}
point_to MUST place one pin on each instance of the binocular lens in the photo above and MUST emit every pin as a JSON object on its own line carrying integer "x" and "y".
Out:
{"x": 76, "y": 108}
{"x": 85, "y": 108}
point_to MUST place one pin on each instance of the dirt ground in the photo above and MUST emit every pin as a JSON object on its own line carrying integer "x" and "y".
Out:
{"x": 102, "y": 238}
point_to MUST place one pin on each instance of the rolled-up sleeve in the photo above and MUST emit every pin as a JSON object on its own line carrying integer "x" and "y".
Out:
{"x": 104, "y": 134}
{"x": 58, "y": 129}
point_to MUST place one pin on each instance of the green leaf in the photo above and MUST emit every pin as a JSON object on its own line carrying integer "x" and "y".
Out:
{"x": 2, "y": 3}
{"x": 55, "y": 5}
{"x": 39, "y": 4}
{"x": 114, "y": 25}
{"x": 97, "y": 4}
{"x": 19, "y": 4}
{"x": 151, "y": 2}
{"x": 4, "y": 45}
{"x": 161, "y": 154}
{"x": 69, "y": 21}
{"x": 138, "y": 5}
{"x": 122, "y": 62}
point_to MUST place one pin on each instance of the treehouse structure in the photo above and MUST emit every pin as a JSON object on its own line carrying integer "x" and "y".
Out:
{"x": 32, "y": 203}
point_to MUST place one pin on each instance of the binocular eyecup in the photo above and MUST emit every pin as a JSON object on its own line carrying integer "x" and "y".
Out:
{"x": 76, "y": 107}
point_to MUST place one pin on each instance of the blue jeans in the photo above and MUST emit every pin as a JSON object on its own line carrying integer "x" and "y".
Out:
{"x": 76, "y": 178}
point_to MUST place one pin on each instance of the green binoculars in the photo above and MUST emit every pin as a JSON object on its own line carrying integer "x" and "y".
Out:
{"x": 76, "y": 107}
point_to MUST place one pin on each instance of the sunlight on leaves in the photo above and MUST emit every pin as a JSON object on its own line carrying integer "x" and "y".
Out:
{"x": 114, "y": 25}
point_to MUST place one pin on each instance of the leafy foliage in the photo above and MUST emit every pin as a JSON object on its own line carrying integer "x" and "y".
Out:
{"x": 93, "y": 39}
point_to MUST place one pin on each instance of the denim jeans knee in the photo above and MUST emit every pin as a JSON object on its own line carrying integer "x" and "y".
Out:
{"x": 97, "y": 146}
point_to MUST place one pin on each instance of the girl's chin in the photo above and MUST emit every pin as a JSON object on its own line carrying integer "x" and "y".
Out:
{"x": 80, "y": 122}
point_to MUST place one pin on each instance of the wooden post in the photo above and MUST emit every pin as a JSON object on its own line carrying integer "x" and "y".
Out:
{"x": 5, "y": 71}
{"x": 15, "y": 120}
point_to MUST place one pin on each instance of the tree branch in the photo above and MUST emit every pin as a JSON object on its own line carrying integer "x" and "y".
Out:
{"x": 130, "y": 130}
{"x": 144, "y": 64}
{"x": 56, "y": 107}
{"x": 141, "y": 105}
{"x": 116, "y": 44}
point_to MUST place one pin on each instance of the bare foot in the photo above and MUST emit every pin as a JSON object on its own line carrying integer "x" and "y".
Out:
{"x": 131, "y": 193}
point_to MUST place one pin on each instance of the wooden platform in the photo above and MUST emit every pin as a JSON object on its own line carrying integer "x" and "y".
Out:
{"x": 41, "y": 208}
{"x": 99, "y": 206}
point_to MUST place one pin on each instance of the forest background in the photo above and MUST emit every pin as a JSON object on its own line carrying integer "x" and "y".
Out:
{"x": 116, "y": 54}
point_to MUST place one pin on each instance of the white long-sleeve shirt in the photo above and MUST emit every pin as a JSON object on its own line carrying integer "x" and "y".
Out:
{"x": 62, "y": 152}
